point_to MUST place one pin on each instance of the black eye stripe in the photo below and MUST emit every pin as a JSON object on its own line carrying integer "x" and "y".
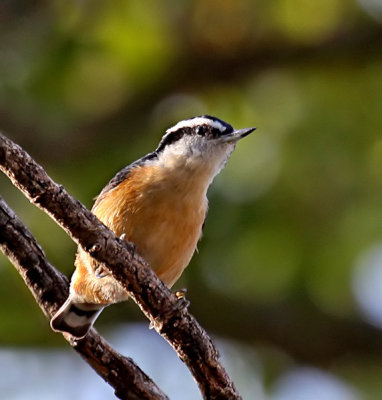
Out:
{"x": 212, "y": 128}
{"x": 206, "y": 130}
{"x": 202, "y": 130}
{"x": 170, "y": 138}
{"x": 217, "y": 132}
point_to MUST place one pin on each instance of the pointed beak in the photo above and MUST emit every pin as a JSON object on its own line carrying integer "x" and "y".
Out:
{"x": 237, "y": 135}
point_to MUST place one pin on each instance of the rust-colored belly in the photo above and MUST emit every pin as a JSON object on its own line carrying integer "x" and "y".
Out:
{"x": 164, "y": 223}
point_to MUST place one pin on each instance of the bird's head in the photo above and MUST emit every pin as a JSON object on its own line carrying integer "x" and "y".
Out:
{"x": 200, "y": 142}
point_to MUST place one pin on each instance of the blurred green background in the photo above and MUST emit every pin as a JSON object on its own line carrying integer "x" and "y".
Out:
{"x": 290, "y": 264}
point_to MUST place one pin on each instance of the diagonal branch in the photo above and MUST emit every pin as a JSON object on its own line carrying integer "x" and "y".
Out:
{"x": 163, "y": 308}
{"x": 50, "y": 289}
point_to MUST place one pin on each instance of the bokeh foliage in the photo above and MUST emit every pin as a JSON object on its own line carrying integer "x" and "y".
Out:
{"x": 89, "y": 86}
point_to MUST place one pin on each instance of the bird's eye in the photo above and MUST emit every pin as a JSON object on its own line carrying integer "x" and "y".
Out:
{"x": 201, "y": 130}
{"x": 217, "y": 132}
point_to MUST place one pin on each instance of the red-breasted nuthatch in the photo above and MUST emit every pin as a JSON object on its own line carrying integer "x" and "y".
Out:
{"x": 159, "y": 204}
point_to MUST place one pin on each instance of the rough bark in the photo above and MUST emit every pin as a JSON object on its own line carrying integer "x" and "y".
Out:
{"x": 50, "y": 289}
{"x": 166, "y": 313}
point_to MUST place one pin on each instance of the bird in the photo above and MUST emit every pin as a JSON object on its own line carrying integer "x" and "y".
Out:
{"x": 159, "y": 204}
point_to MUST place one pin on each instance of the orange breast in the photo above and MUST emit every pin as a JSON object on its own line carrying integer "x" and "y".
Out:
{"x": 161, "y": 213}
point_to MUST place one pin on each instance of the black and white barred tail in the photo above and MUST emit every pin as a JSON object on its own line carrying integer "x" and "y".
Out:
{"x": 75, "y": 318}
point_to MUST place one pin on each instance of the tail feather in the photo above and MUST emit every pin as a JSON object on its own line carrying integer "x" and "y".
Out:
{"x": 75, "y": 318}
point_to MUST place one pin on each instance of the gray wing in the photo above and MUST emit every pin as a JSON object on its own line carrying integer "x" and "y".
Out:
{"x": 120, "y": 176}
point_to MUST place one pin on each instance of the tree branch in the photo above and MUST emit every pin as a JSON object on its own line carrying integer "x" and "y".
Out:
{"x": 166, "y": 313}
{"x": 50, "y": 289}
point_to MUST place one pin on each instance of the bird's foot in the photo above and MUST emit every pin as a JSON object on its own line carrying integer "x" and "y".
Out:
{"x": 100, "y": 272}
{"x": 182, "y": 301}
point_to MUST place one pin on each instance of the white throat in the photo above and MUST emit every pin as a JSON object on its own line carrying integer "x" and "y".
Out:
{"x": 195, "y": 157}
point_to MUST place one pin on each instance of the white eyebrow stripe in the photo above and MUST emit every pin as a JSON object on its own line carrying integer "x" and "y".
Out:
{"x": 191, "y": 123}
